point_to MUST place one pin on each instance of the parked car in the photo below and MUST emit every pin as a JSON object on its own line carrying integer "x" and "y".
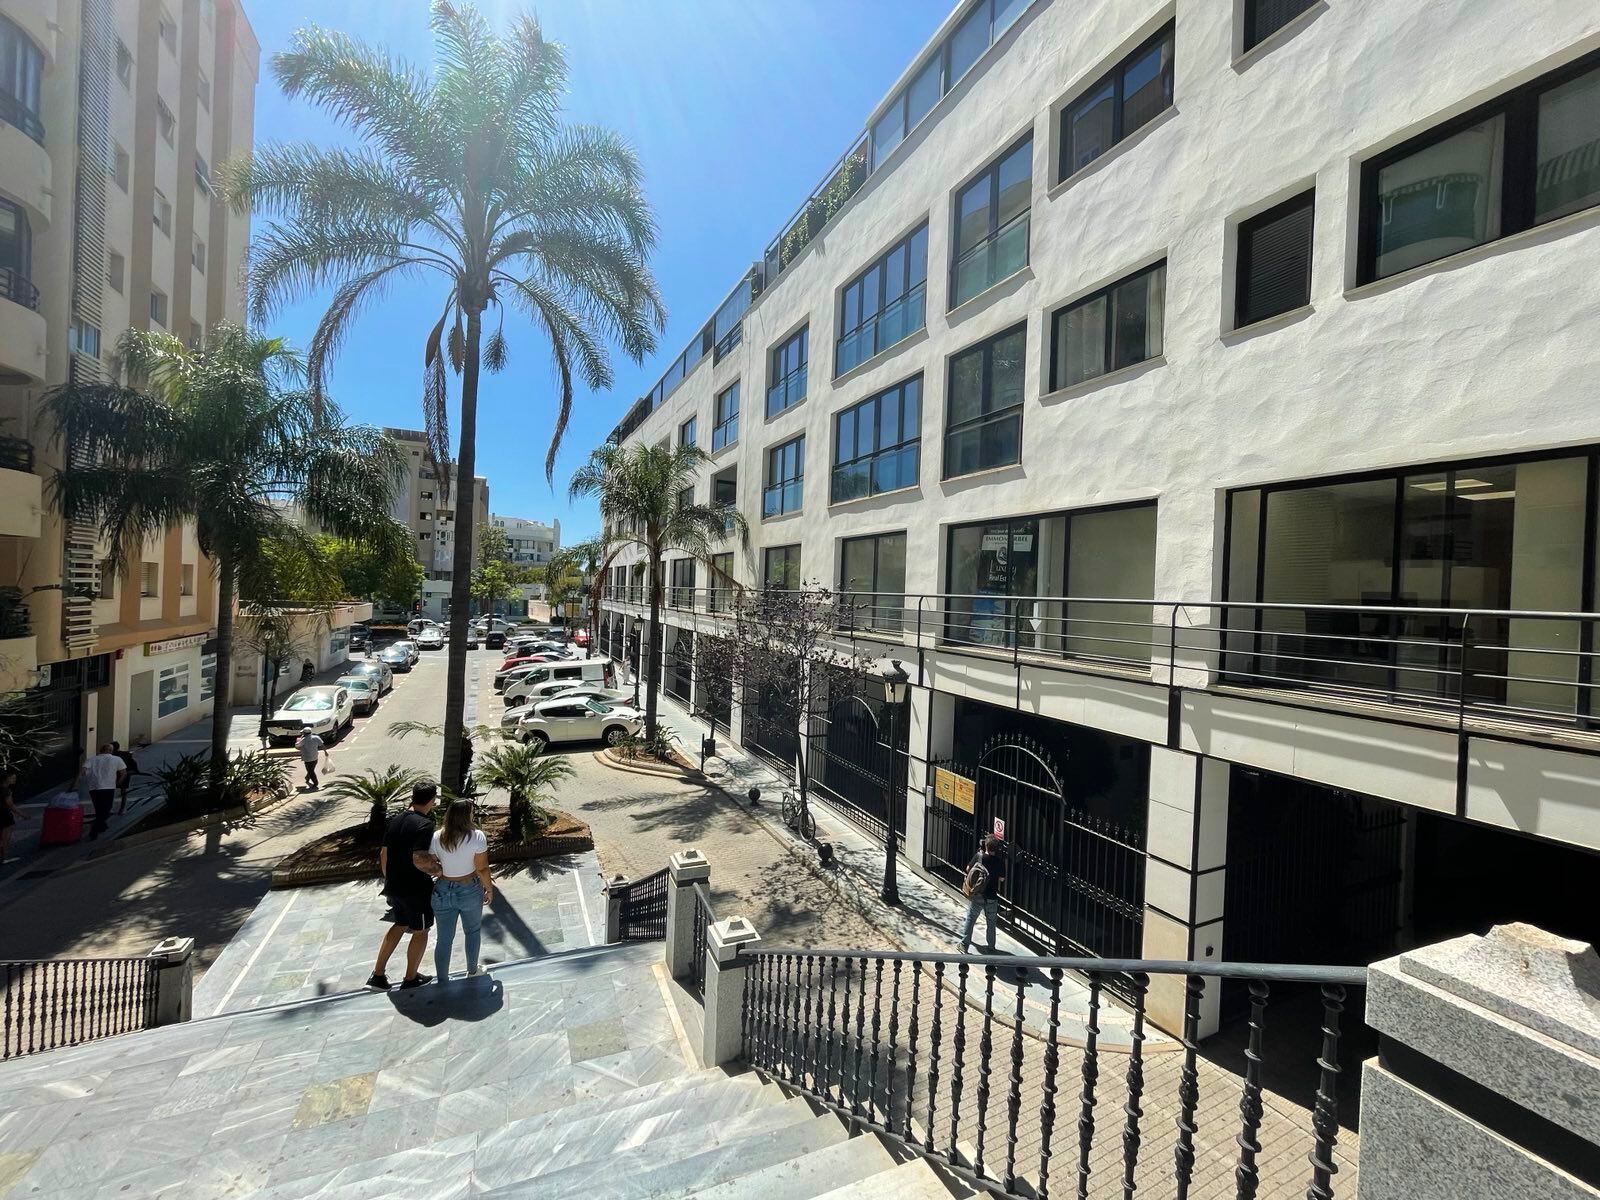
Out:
{"x": 580, "y": 637}
{"x": 601, "y": 671}
{"x": 494, "y": 639}
{"x": 360, "y": 637}
{"x": 327, "y": 709}
{"x": 511, "y": 664}
{"x": 376, "y": 670}
{"x": 417, "y": 624}
{"x": 575, "y": 720}
{"x": 410, "y": 647}
{"x": 562, "y": 689}
{"x": 363, "y": 691}
{"x": 430, "y": 637}
{"x": 395, "y": 656}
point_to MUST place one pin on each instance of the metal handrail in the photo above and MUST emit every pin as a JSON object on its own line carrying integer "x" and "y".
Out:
{"x": 18, "y": 288}
{"x": 50, "y": 1003}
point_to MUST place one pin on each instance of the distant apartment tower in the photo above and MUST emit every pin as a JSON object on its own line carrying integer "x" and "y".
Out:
{"x": 112, "y": 116}
{"x": 432, "y": 518}
{"x": 531, "y": 542}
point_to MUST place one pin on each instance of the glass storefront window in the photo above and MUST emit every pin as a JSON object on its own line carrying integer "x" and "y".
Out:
{"x": 172, "y": 690}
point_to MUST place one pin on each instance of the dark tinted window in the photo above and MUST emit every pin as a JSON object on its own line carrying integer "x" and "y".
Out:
{"x": 1275, "y": 260}
{"x": 1263, "y": 18}
{"x": 1133, "y": 92}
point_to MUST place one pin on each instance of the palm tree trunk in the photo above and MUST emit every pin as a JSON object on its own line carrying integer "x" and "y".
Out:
{"x": 221, "y": 700}
{"x": 653, "y": 668}
{"x": 455, "y": 689}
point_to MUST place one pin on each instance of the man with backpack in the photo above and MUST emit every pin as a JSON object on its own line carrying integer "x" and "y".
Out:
{"x": 985, "y": 874}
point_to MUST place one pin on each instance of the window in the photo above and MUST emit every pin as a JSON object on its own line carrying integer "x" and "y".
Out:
{"x": 884, "y": 304}
{"x": 968, "y": 42}
{"x": 786, "y": 471}
{"x": 687, "y": 432}
{"x": 197, "y": 334}
{"x": 119, "y": 166}
{"x": 202, "y": 89}
{"x": 725, "y": 431}
{"x": 425, "y": 495}
{"x": 161, "y": 213}
{"x": 725, "y": 494}
{"x": 202, "y": 175}
{"x": 165, "y": 121}
{"x": 685, "y": 497}
{"x": 186, "y": 580}
{"x": 197, "y": 256}
{"x": 1275, "y": 261}
{"x": 172, "y": 694}
{"x": 727, "y": 325}
{"x": 208, "y": 677}
{"x": 983, "y": 410}
{"x": 780, "y": 568}
{"x": 107, "y": 583}
{"x": 158, "y": 308}
{"x": 116, "y": 270}
{"x": 1263, "y": 18}
{"x": 21, "y": 72}
{"x": 1129, "y": 97}
{"x": 788, "y": 373}
{"x": 1525, "y": 158}
{"x": 991, "y": 224}
{"x": 16, "y": 255}
{"x": 1115, "y": 327}
{"x": 84, "y": 339}
{"x": 876, "y": 443}
{"x": 168, "y": 29}
{"x": 872, "y": 579}
{"x": 149, "y": 580}
{"x": 680, "y": 577}
{"x": 124, "y": 64}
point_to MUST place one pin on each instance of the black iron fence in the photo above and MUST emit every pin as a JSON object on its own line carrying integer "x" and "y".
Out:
{"x": 16, "y": 454}
{"x": 1505, "y": 664}
{"x": 703, "y": 916}
{"x": 644, "y": 909}
{"x": 950, "y": 1056}
{"x": 48, "y": 1004}
{"x": 17, "y": 287}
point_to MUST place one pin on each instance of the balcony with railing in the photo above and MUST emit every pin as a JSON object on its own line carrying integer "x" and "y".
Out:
{"x": 21, "y": 490}
{"x": 785, "y": 393}
{"x": 1002, "y": 254}
{"x": 876, "y": 333}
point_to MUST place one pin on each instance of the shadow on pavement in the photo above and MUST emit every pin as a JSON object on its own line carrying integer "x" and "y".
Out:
{"x": 456, "y": 1000}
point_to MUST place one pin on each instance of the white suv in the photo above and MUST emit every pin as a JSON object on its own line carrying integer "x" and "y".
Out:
{"x": 578, "y": 721}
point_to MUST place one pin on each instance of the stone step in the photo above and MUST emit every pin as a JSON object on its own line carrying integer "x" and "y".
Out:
{"x": 648, "y": 1100}
{"x": 643, "y": 1173}
{"x": 670, "y": 1137}
{"x": 914, "y": 1180}
{"x": 808, "y": 1176}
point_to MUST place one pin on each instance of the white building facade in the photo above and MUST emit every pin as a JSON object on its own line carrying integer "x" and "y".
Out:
{"x": 1198, "y": 399}
{"x": 531, "y": 543}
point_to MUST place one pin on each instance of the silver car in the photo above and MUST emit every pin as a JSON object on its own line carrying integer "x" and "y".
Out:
{"x": 563, "y": 689}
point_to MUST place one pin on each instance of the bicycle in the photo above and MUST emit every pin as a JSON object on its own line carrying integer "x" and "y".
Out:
{"x": 797, "y": 816}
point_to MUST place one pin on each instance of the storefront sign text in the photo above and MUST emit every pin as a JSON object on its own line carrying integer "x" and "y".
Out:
{"x": 955, "y": 790}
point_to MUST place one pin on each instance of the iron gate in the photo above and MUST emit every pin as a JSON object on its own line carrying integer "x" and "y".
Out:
{"x": 1074, "y": 879}
{"x": 850, "y": 759}
{"x": 680, "y": 667}
{"x": 765, "y": 732}
{"x": 644, "y": 909}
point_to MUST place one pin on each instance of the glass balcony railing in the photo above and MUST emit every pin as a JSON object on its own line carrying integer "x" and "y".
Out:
{"x": 895, "y": 323}
{"x": 779, "y": 498}
{"x": 885, "y": 471}
{"x": 991, "y": 260}
{"x": 787, "y": 392}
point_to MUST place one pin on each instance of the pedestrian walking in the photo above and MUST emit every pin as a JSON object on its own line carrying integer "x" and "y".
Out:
{"x": 310, "y": 745}
{"x": 10, "y": 814}
{"x": 130, "y": 769}
{"x": 408, "y": 871}
{"x": 308, "y": 671}
{"x": 981, "y": 886}
{"x": 102, "y": 772}
{"x": 462, "y": 888}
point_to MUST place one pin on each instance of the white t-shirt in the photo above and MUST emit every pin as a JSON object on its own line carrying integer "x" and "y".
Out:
{"x": 459, "y": 862}
{"x": 100, "y": 770}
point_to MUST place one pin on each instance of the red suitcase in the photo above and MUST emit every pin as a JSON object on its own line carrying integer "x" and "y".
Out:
{"x": 62, "y": 826}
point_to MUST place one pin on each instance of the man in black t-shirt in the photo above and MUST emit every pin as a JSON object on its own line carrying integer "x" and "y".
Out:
{"x": 985, "y": 874}
{"x": 408, "y": 870}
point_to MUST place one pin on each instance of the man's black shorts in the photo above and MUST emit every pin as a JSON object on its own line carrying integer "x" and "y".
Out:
{"x": 414, "y": 912}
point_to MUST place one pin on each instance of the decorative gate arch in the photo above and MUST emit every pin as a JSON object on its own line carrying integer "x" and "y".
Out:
{"x": 851, "y": 761}
{"x": 1074, "y": 880}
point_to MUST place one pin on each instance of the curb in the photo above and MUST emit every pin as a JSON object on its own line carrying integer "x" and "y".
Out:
{"x": 603, "y": 757}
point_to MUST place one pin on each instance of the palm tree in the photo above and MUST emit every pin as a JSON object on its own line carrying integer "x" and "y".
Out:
{"x": 640, "y": 489}
{"x": 379, "y": 791}
{"x": 470, "y": 176}
{"x": 577, "y": 570}
{"x": 530, "y": 777}
{"x": 215, "y": 435}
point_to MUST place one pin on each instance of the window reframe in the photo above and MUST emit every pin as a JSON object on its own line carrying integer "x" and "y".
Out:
{"x": 914, "y": 440}
{"x": 777, "y": 454}
{"x": 1244, "y": 255}
{"x": 880, "y": 264}
{"x": 802, "y": 368}
{"x": 991, "y": 416}
{"x": 1105, "y": 293}
{"x": 720, "y": 424}
{"x": 991, "y": 173}
{"x": 1115, "y": 76}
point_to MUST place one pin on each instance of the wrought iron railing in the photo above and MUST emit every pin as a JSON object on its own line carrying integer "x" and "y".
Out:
{"x": 48, "y": 1004}
{"x": 16, "y": 454}
{"x": 1527, "y": 666}
{"x": 943, "y": 1054}
{"x": 704, "y": 915}
{"x": 14, "y": 112}
{"x": 644, "y": 909}
{"x": 18, "y": 288}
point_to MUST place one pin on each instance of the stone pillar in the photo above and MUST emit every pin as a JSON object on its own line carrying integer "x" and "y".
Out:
{"x": 1184, "y": 877}
{"x": 614, "y": 893}
{"x": 1487, "y": 1079}
{"x": 723, "y": 1037}
{"x": 174, "y": 980}
{"x": 919, "y": 779}
{"x": 685, "y": 868}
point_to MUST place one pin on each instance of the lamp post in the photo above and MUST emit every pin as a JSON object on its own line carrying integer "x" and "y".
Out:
{"x": 638, "y": 653}
{"x": 895, "y": 683}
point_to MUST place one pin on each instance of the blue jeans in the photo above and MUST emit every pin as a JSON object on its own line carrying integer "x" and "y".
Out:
{"x": 452, "y": 899}
{"x": 975, "y": 905}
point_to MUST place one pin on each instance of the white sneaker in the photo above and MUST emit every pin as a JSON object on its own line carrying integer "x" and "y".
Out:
{"x": 479, "y": 971}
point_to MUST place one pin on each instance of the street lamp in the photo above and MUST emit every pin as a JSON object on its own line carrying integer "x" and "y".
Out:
{"x": 638, "y": 651}
{"x": 895, "y": 684}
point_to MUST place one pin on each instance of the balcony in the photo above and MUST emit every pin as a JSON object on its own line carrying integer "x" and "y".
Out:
{"x": 990, "y": 261}
{"x": 21, "y": 491}
{"x": 787, "y": 392}
{"x": 877, "y": 333}
{"x": 27, "y": 162}
{"x": 18, "y": 649}
{"x": 22, "y": 329}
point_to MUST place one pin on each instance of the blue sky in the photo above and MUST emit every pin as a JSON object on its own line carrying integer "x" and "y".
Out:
{"x": 736, "y": 108}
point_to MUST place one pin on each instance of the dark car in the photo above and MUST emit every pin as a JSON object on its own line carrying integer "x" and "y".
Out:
{"x": 495, "y": 640}
{"x": 395, "y": 657}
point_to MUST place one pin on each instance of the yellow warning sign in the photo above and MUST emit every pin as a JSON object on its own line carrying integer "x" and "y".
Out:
{"x": 955, "y": 790}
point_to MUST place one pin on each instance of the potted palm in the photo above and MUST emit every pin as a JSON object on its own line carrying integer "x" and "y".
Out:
{"x": 531, "y": 779}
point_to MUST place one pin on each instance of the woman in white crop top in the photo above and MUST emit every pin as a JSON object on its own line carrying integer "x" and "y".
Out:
{"x": 462, "y": 888}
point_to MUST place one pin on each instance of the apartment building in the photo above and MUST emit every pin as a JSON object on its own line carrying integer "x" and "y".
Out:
{"x": 531, "y": 542}
{"x": 432, "y": 518}
{"x": 1202, "y": 411}
{"x": 112, "y": 113}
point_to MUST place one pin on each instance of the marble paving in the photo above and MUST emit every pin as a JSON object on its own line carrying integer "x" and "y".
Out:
{"x": 300, "y": 943}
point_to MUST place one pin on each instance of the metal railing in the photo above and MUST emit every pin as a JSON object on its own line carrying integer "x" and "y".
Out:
{"x": 644, "y": 909}
{"x": 16, "y": 454}
{"x": 984, "y": 264}
{"x": 902, "y": 1063}
{"x": 704, "y": 915}
{"x": 1515, "y": 665}
{"x": 18, "y": 288}
{"x": 52, "y": 1003}
{"x": 788, "y": 391}
{"x": 14, "y": 112}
